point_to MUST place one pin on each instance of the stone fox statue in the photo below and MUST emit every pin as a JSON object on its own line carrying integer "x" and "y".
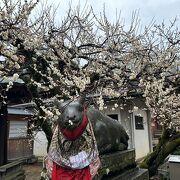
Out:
{"x": 109, "y": 134}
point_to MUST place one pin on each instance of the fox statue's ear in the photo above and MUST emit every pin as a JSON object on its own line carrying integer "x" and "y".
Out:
{"x": 82, "y": 99}
{"x": 58, "y": 104}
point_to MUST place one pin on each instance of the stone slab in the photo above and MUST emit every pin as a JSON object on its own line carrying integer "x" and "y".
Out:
{"x": 12, "y": 171}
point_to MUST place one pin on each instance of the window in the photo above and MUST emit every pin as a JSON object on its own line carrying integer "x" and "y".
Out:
{"x": 139, "y": 122}
{"x": 18, "y": 129}
{"x": 113, "y": 116}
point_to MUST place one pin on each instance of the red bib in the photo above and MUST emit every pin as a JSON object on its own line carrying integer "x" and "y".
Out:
{"x": 60, "y": 173}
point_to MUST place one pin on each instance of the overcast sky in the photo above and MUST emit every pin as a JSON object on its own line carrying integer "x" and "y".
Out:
{"x": 148, "y": 9}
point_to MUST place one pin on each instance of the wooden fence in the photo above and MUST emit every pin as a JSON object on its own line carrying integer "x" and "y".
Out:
{"x": 20, "y": 147}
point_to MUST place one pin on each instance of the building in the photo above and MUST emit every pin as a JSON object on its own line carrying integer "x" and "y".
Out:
{"x": 28, "y": 146}
{"x": 136, "y": 120}
{"x": 16, "y": 95}
{"x": 20, "y": 144}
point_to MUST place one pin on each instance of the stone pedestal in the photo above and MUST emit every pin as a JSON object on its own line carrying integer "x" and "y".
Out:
{"x": 12, "y": 171}
{"x": 120, "y": 165}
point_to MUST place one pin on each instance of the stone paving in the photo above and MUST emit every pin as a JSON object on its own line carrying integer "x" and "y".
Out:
{"x": 33, "y": 171}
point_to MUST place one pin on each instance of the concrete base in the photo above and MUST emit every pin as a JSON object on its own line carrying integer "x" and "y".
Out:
{"x": 12, "y": 171}
{"x": 120, "y": 165}
{"x": 130, "y": 174}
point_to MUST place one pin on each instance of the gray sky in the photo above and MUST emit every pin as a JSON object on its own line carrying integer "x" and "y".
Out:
{"x": 148, "y": 9}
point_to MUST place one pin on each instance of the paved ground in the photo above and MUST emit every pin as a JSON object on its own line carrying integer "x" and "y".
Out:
{"x": 32, "y": 171}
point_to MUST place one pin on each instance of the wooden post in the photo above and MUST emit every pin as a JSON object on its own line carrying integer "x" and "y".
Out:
{"x": 3, "y": 134}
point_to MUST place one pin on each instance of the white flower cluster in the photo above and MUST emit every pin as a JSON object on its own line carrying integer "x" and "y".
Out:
{"x": 15, "y": 77}
{"x": 9, "y": 85}
{"x": 116, "y": 105}
{"x": 110, "y": 92}
{"x": 135, "y": 108}
{"x": 100, "y": 102}
{"x": 163, "y": 102}
{"x": 81, "y": 82}
{"x": 132, "y": 76}
{"x": 10, "y": 80}
{"x": 47, "y": 112}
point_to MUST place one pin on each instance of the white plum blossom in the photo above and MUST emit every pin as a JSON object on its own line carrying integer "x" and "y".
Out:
{"x": 107, "y": 170}
{"x": 16, "y": 65}
{"x": 10, "y": 83}
{"x": 101, "y": 103}
{"x": 15, "y": 77}
{"x": 57, "y": 112}
{"x": 116, "y": 105}
{"x": 132, "y": 76}
{"x": 14, "y": 57}
{"x": 135, "y": 108}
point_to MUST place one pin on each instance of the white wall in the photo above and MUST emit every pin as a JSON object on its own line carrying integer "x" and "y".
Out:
{"x": 124, "y": 119}
{"x": 126, "y": 122}
{"x": 138, "y": 139}
{"x": 141, "y": 136}
{"x": 40, "y": 144}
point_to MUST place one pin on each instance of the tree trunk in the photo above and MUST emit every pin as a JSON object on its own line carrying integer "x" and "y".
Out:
{"x": 44, "y": 124}
{"x": 48, "y": 132}
{"x": 167, "y": 144}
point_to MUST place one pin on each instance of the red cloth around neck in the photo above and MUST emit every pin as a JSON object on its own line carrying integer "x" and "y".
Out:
{"x": 60, "y": 173}
{"x": 73, "y": 134}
